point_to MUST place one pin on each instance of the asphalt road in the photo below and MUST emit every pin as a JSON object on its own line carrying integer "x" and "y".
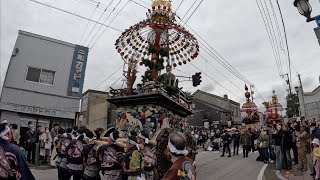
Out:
{"x": 210, "y": 166}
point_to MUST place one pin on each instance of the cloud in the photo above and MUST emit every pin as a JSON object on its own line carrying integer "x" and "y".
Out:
{"x": 208, "y": 88}
{"x": 234, "y": 28}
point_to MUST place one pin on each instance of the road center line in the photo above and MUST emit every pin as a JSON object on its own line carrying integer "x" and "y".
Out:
{"x": 261, "y": 173}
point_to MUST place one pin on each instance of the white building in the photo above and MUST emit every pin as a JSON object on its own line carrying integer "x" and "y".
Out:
{"x": 310, "y": 103}
{"x": 44, "y": 81}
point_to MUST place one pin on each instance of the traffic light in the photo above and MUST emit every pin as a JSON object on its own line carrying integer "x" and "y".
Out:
{"x": 196, "y": 79}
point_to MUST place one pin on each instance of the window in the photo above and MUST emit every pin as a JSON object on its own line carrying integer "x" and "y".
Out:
{"x": 33, "y": 74}
{"x": 232, "y": 111}
{"x": 40, "y": 76}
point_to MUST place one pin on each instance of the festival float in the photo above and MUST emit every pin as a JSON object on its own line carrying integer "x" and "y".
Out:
{"x": 157, "y": 104}
{"x": 273, "y": 109}
{"x": 249, "y": 110}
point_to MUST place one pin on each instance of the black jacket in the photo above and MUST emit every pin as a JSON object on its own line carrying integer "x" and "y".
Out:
{"x": 32, "y": 137}
{"x": 286, "y": 141}
{"x": 227, "y": 138}
{"x": 236, "y": 138}
{"x": 277, "y": 138}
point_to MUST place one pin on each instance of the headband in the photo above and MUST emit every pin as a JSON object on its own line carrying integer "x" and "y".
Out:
{"x": 65, "y": 135}
{"x": 4, "y": 133}
{"x": 175, "y": 150}
{"x": 111, "y": 136}
{"x": 146, "y": 140}
{"x": 84, "y": 136}
{"x": 134, "y": 143}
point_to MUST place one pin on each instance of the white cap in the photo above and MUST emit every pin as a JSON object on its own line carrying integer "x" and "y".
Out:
{"x": 316, "y": 141}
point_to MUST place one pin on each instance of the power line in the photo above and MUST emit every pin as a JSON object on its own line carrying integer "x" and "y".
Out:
{"x": 139, "y": 4}
{"x": 214, "y": 80}
{"x": 193, "y": 12}
{"x": 285, "y": 35}
{"x": 103, "y": 6}
{"x": 270, "y": 35}
{"x": 279, "y": 33}
{"x": 218, "y": 58}
{"x": 115, "y": 82}
{"x": 221, "y": 73}
{"x": 277, "y": 26}
{"x": 104, "y": 22}
{"x": 110, "y": 23}
{"x": 109, "y": 76}
{"x": 88, "y": 23}
{"x": 189, "y": 9}
{"x": 274, "y": 37}
{"x": 97, "y": 23}
{"x": 68, "y": 12}
{"x": 267, "y": 27}
{"x": 179, "y": 5}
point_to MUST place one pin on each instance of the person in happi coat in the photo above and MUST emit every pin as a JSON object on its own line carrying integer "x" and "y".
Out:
{"x": 13, "y": 164}
{"x": 183, "y": 168}
{"x": 74, "y": 156}
{"x": 90, "y": 159}
{"x": 110, "y": 156}
{"x": 133, "y": 161}
{"x": 149, "y": 153}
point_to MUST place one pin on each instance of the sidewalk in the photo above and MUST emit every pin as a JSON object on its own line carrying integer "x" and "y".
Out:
{"x": 294, "y": 174}
{"x": 297, "y": 174}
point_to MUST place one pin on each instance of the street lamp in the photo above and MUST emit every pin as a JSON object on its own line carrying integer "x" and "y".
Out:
{"x": 296, "y": 89}
{"x": 304, "y": 9}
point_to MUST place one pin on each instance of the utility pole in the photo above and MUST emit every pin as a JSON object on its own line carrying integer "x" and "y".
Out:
{"x": 302, "y": 97}
{"x": 288, "y": 82}
{"x": 300, "y": 82}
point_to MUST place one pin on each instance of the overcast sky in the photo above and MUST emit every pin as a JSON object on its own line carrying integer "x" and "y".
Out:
{"x": 234, "y": 28}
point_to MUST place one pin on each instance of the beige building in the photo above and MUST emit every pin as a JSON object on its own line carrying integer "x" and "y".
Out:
{"x": 94, "y": 109}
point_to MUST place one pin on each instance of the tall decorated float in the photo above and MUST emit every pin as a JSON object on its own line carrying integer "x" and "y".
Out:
{"x": 249, "y": 110}
{"x": 156, "y": 104}
{"x": 273, "y": 109}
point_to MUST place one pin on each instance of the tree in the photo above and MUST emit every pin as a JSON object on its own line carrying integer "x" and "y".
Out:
{"x": 292, "y": 105}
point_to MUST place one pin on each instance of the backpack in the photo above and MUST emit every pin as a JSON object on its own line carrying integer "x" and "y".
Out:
{"x": 5, "y": 165}
{"x": 150, "y": 158}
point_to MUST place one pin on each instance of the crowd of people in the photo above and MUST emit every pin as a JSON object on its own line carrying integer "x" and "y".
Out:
{"x": 275, "y": 143}
{"x": 91, "y": 155}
